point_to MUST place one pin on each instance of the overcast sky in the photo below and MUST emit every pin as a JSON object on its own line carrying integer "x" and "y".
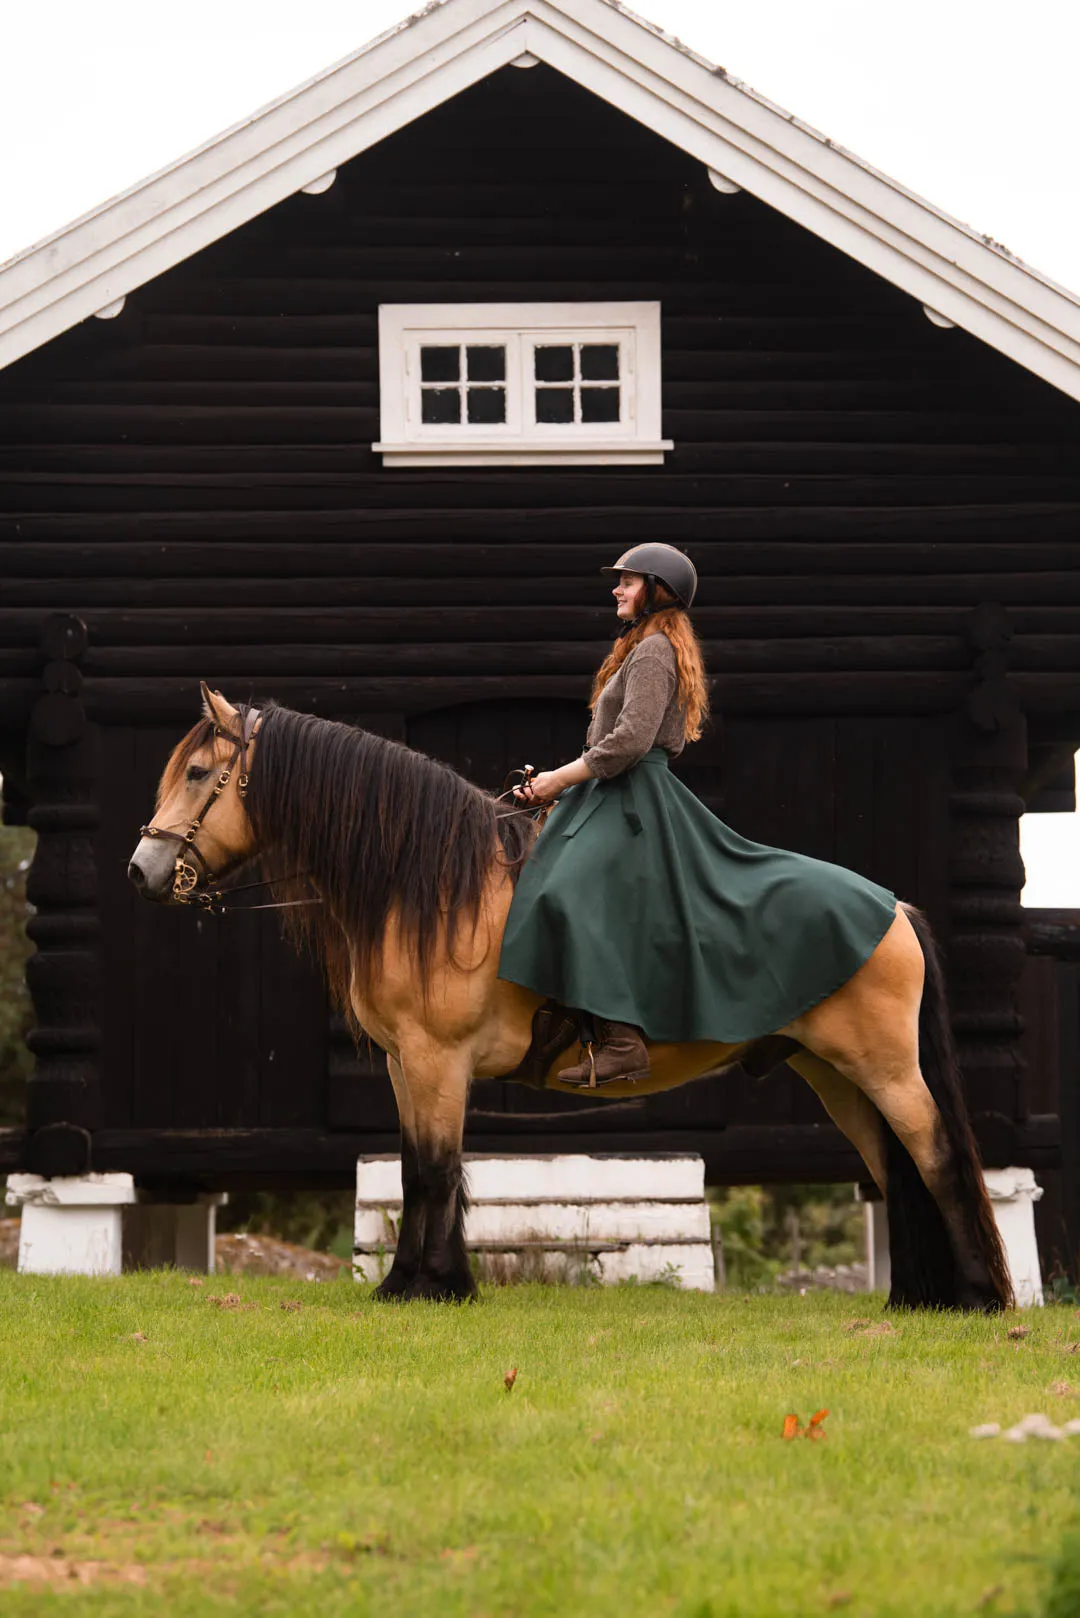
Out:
{"x": 970, "y": 103}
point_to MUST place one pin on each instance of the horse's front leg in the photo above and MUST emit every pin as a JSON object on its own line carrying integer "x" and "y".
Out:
{"x": 410, "y": 1242}
{"x": 437, "y": 1080}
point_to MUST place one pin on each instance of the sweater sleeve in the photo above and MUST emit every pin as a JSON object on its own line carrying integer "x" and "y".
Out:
{"x": 650, "y": 683}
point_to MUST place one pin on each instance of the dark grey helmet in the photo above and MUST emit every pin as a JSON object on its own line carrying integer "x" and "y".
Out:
{"x": 663, "y": 562}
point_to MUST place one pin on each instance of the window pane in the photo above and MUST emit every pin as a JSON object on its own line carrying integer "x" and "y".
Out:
{"x": 554, "y": 404}
{"x": 599, "y": 404}
{"x": 487, "y": 404}
{"x": 554, "y": 363}
{"x": 441, "y": 364}
{"x": 486, "y": 363}
{"x": 599, "y": 362}
{"x": 440, "y": 406}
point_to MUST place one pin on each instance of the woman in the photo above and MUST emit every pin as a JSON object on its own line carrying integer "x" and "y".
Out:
{"x": 638, "y": 904}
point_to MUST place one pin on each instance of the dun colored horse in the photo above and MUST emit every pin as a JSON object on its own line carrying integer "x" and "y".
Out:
{"x": 415, "y": 868}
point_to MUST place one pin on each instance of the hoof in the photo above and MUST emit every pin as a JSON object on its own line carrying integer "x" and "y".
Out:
{"x": 393, "y": 1287}
{"x": 441, "y": 1289}
{"x": 978, "y": 1301}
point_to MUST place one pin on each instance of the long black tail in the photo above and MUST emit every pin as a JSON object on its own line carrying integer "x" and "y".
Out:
{"x": 924, "y": 1271}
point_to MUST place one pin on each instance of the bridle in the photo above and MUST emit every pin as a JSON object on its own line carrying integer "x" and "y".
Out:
{"x": 186, "y": 877}
{"x": 191, "y": 882}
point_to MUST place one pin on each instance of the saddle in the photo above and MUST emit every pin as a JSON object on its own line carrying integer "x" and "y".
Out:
{"x": 555, "y": 1028}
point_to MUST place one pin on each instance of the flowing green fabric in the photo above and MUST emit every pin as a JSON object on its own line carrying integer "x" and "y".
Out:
{"x": 639, "y": 905}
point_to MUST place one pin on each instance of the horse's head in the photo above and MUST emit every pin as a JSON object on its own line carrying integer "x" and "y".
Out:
{"x": 200, "y": 830}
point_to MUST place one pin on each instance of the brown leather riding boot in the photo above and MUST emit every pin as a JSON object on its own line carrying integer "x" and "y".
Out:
{"x": 618, "y": 1053}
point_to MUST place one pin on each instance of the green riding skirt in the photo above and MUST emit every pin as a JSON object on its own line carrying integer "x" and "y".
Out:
{"x": 639, "y": 905}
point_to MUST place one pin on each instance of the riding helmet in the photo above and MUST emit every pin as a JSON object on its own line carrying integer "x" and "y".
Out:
{"x": 663, "y": 563}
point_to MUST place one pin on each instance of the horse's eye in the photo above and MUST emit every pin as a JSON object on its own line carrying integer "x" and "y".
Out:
{"x": 197, "y": 773}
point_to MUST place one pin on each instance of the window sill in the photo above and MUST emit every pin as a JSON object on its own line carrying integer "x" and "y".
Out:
{"x": 526, "y": 453}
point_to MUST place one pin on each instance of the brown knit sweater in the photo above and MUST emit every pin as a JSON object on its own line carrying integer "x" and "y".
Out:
{"x": 638, "y": 708}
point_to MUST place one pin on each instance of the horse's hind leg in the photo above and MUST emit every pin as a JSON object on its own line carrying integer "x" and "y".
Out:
{"x": 435, "y": 1262}
{"x": 918, "y": 1274}
{"x": 927, "y": 1270}
{"x": 853, "y": 1113}
{"x": 874, "y": 1030}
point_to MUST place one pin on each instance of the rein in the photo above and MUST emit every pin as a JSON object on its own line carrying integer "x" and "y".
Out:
{"x": 538, "y": 811}
{"x": 186, "y": 878}
{"x": 212, "y": 900}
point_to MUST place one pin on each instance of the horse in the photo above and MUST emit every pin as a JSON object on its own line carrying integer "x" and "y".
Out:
{"x": 412, "y": 871}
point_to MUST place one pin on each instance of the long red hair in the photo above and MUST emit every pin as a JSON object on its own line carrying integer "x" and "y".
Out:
{"x": 674, "y": 622}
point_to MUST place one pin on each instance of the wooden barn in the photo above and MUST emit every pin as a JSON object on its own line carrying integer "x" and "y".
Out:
{"x": 348, "y": 407}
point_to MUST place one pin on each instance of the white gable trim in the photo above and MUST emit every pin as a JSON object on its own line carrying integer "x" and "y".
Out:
{"x": 443, "y": 50}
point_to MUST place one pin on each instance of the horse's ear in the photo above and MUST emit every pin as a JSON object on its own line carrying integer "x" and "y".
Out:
{"x": 216, "y": 709}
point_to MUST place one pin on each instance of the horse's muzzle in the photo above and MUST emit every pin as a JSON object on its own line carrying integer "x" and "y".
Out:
{"x": 151, "y": 868}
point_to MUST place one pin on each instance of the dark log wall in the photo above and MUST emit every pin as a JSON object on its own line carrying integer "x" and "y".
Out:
{"x": 195, "y": 480}
{"x": 850, "y": 478}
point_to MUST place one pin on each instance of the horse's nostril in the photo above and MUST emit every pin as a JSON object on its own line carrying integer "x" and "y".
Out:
{"x": 136, "y": 875}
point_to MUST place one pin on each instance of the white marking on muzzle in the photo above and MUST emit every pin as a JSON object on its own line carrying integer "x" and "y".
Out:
{"x": 155, "y": 858}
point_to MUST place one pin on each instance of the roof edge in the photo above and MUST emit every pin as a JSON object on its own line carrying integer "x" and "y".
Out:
{"x": 450, "y": 44}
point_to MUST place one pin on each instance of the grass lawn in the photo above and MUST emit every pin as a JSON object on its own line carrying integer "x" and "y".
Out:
{"x": 309, "y": 1451}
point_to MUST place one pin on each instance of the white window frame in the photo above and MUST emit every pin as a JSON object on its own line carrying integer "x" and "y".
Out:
{"x": 633, "y": 440}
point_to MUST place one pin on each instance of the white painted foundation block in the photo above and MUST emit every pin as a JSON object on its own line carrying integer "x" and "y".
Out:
{"x": 1013, "y": 1194}
{"x": 101, "y": 1224}
{"x": 607, "y": 1218}
{"x": 879, "y": 1276}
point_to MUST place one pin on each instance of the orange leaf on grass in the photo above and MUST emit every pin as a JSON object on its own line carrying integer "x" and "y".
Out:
{"x": 813, "y": 1429}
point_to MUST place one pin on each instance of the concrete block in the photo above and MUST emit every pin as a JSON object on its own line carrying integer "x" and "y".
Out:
{"x": 101, "y": 1224}
{"x": 604, "y": 1218}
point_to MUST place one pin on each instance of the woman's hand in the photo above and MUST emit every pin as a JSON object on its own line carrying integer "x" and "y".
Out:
{"x": 546, "y": 786}
{"x": 540, "y": 788}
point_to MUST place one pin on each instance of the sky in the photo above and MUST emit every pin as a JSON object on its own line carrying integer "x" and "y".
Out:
{"x": 969, "y": 103}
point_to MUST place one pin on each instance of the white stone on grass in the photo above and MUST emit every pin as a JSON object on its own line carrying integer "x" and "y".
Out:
{"x": 1035, "y": 1425}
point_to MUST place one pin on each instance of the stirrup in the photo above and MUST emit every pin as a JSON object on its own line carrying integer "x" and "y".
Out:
{"x": 587, "y": 1047}
{"x": 594, "y": 1083}
{"x": 590, "y": 1078}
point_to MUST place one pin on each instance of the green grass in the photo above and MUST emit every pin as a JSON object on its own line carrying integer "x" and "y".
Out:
{"x": 349, "y": 1458}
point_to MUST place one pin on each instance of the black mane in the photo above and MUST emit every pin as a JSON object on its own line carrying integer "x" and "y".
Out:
{"x": 379, "y": 830}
